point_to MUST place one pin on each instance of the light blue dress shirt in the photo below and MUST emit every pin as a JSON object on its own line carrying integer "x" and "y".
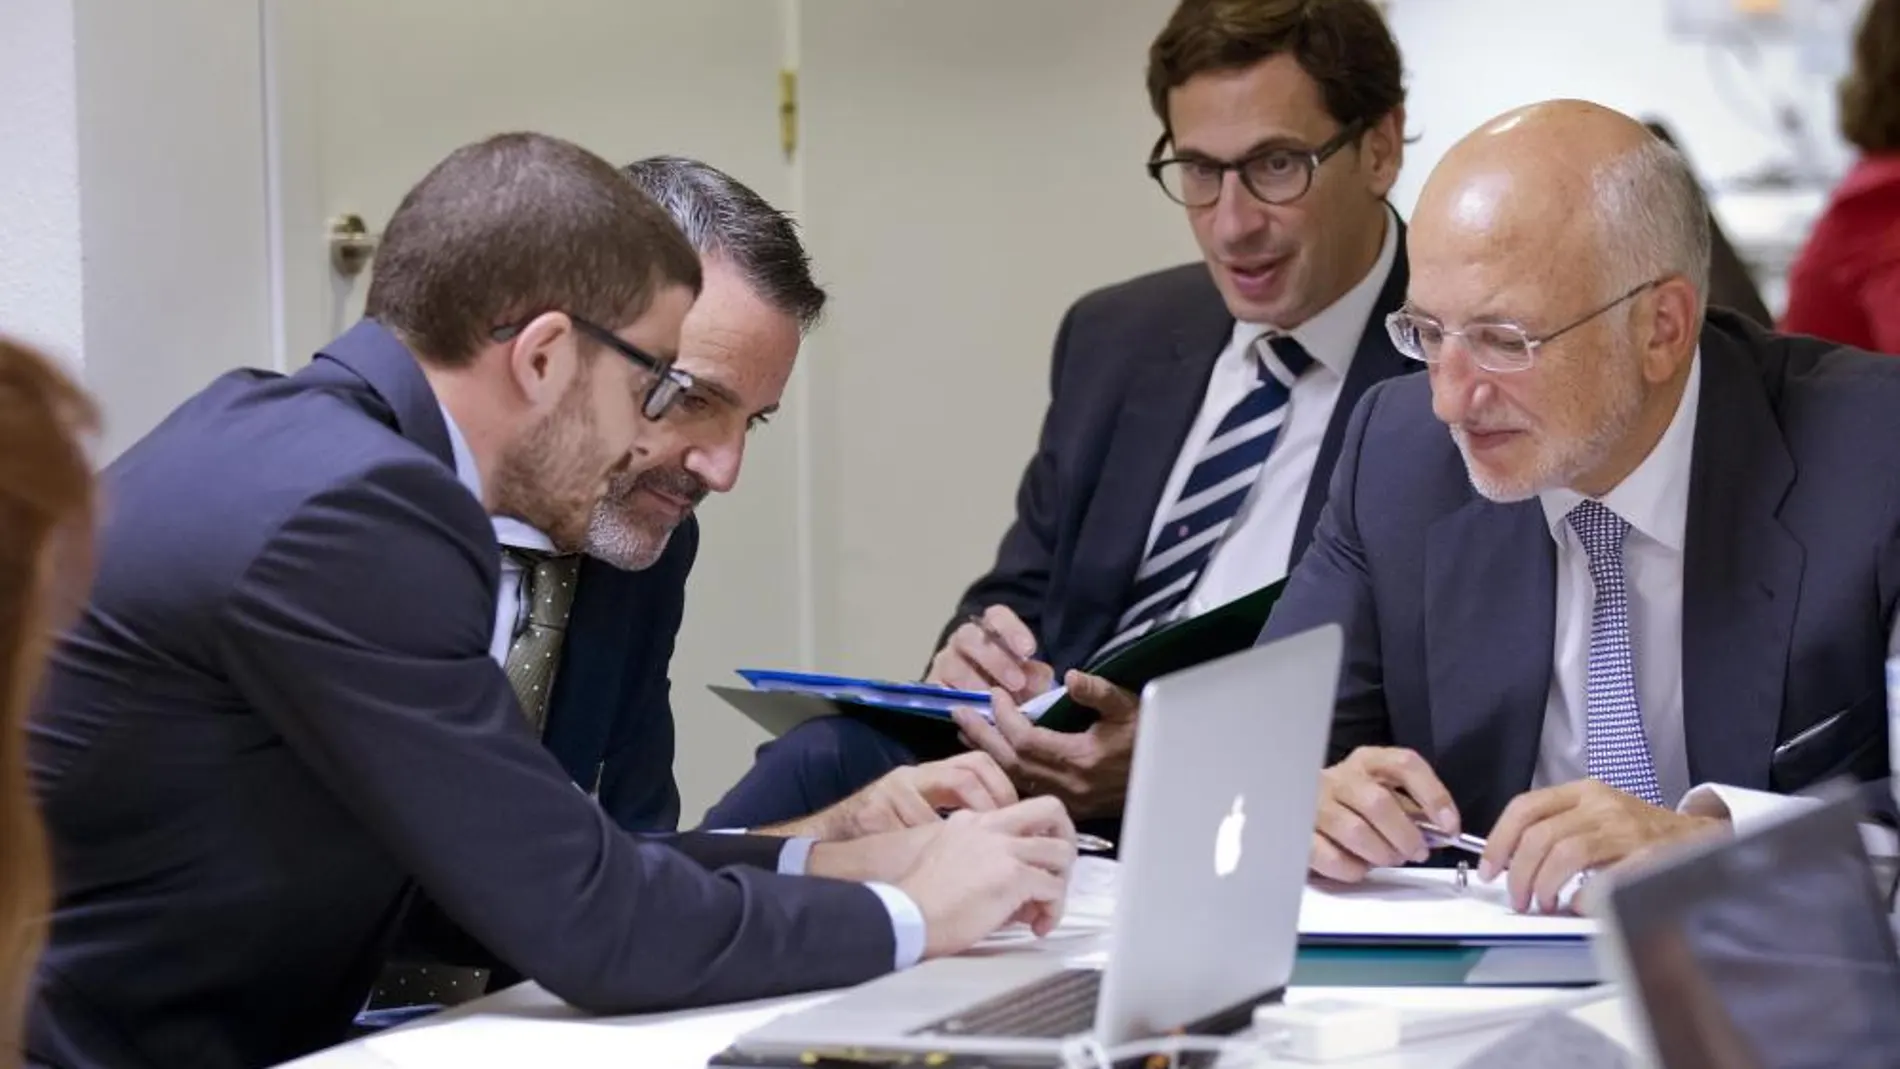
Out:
{"x": 907, "y": 921}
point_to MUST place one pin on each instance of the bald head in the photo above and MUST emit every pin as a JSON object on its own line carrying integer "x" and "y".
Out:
{"x": 1566, "y": 249}
{"x": 1575, "y": 183}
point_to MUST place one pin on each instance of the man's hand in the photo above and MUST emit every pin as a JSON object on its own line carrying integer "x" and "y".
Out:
{"x": 883, "y": 858}
{"x": 1546, "y": 837}
{"x": 1087, "y": 770}
{"x": 1365, "y": 822}
{"x": 972, "y": 660}
{"x": 910, "y": 797}
{"x": 984, "y": 870}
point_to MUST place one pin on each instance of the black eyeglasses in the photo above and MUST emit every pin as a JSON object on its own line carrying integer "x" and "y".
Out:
{"x": 669, "y": 382}
{"x": 1277, "y": 174}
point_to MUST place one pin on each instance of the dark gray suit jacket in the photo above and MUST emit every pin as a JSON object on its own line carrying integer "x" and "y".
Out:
{"x": 1791, "y": 576}
{"x": 1131, "y": 366}
{"x": 277, "y": 719}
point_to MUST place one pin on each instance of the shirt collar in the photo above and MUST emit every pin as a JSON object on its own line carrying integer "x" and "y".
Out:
{"x": 1332, "y": 336}
{"x": 508, "y": 530}
{"x": 1653, "y": 499}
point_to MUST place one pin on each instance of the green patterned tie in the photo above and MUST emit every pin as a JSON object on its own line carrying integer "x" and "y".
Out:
{"x": 547, "y": 584}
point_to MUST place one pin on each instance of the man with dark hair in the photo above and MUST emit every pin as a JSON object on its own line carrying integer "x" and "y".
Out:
{"x": 278, "y": 718}
{"x": 616, "y": 605}
{"x": 1196, "y": 412}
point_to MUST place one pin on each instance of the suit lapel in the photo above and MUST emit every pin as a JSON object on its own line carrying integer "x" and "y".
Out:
{"x": 1163, "y": 397}
{"x": 380, "y": 359}
{"x": 1374, "y": 361}
{"x": 1490, "y": 602}
{"x": 1741, "y": 575}
{"x": 590, "y": 687}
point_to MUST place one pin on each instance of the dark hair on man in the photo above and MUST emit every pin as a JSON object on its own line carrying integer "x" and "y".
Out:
{"x": 1343, "y": 45}
{"x": 1870, "y": 94}
{"x": 723, "y": 217}
{"x": 511, "y": 227}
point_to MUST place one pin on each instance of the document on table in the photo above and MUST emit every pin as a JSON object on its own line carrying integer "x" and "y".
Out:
{"x": 1419, "y": 904}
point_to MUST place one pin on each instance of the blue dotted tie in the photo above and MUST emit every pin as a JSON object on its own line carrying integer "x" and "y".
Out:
{"x": 1617, "y": 749}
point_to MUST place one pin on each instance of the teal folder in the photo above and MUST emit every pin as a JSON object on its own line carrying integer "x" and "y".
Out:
{"x": 1518, "y": 965}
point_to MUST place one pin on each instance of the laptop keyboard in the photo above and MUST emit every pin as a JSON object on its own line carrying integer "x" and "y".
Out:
{"x": 1051, "y": 1008}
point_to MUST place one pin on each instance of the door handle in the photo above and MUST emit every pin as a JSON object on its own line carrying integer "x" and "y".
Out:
{"x": 351, "y": 244}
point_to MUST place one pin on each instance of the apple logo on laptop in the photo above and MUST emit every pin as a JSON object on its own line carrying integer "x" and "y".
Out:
{"x": 1227, "y": 840}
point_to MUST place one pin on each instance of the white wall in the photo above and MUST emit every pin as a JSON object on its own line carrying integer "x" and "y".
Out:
{"x": 171, "y": 173}
{"x": 132, "y": 195}
{"x": 39, "y": 177}
{"x": 1468, "y": 60}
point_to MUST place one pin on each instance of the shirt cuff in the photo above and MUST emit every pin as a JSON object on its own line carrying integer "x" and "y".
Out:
{"x": 907, "y": 923}
{"x": 1746, "y": 810}
{"x": 796, "y": 855}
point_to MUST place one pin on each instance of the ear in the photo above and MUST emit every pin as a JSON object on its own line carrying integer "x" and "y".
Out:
{"x": 543, "y": 359}
{"x": 1383, "y": 150}
{"x": 1672, "y": 336}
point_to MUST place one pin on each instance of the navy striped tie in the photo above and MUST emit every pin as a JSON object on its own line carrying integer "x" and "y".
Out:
{"x": 1229, "y": 465}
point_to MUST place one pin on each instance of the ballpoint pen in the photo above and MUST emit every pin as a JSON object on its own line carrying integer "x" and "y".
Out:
{"x": 1438, "y": 839}
{"x": 1092, "y": 844}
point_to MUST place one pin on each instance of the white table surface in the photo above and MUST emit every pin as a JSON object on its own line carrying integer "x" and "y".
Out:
{"x": 525, "y": 1025}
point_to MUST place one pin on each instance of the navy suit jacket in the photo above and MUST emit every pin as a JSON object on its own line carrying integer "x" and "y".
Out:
{"x": 1131, "y": 366}
{"x": 277, "y": 719}
{"x": 610, "y": 718}
{"x": 1791, "y": 574}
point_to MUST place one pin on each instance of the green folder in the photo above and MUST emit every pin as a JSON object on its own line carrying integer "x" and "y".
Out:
{"x": 1228, "y": 629}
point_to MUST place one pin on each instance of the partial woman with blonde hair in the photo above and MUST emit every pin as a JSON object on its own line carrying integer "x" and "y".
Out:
{"x": 45, "y": 519}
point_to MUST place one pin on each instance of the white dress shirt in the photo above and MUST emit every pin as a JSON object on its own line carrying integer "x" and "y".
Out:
{"x": 907, "y": 920}
{"x": 1256, "y": 547}
{"x": 511, "y": 609}
{"x": 1654, "y": 500}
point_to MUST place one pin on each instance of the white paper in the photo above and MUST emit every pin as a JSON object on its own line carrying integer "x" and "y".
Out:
{"x": 1427, "y": 903}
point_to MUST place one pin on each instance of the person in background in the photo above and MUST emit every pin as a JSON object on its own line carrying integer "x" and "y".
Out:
{"x": 45, "y": 519}
{"x": 1845, "y": 284}
{"x": 1195, "y": 413}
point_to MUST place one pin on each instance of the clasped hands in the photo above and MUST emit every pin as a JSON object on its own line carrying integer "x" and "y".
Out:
{"x": 1369, "y": 804}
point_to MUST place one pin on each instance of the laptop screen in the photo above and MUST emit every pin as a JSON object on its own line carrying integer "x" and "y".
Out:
{"x": 1773, "y": 951}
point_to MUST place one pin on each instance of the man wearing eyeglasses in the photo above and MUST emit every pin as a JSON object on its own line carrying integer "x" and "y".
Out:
{"x": 278, "y": 721}
{"x": 1196, "y": 412}
{"x": 586, "y": 636}
{"x": 1623, "y": 568}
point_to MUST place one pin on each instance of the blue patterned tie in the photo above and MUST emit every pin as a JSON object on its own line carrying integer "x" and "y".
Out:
{"x": 1229, "y": 465}
{"x": 1616, "y": 748}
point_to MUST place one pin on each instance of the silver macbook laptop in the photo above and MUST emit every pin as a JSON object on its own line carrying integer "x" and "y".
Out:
{"x": 1215, "y": 835}
{"x": 1773, "y": 950}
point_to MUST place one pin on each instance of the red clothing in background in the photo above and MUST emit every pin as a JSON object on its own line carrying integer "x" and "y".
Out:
{"x": 1845, "y": 285}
